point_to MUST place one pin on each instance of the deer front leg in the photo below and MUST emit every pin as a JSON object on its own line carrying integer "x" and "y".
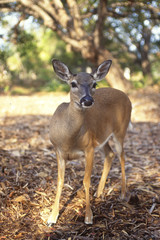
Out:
{"x": 86, "y": 182}
{"x": 109, "y": 155}
{"x": 61, "y": 172}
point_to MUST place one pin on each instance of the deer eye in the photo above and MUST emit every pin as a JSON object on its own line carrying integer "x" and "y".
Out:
{"x": 94, "y": 85}
{"x": 74, "y": 85}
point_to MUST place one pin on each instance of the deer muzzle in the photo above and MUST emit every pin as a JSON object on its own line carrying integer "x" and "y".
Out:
{"x": 86, "y": 101}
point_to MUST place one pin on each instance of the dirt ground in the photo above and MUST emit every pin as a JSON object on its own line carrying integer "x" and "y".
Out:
{"x": 28, "y": 173}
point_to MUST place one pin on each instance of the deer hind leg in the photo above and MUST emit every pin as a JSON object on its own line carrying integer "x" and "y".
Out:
{"x": 89, "y": 154}
{"x": 119, "y": 148}
{"x": 109, "y": 156}
{"x": 61, "y": 172}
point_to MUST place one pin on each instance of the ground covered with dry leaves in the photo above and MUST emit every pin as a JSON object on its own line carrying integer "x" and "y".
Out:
{"x": 28, "y": 173}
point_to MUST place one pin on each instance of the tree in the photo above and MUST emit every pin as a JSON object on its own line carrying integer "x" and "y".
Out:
{"x": 134, "y": 33}
{"x": 81, "y": 24}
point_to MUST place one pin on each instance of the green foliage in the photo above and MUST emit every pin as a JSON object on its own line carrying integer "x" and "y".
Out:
{"x": 155, "y": 71}
{"x": 5, "y": 76}
{"x": 55, "y": 85}
{"x": 4, "y": 54}
{"x": 25, "y": 43}
{"x": 30, "y": 61}
{"x": 138, "y": 84}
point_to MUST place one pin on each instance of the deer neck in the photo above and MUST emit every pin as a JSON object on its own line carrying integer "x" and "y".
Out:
{"x": 76, "y": 114}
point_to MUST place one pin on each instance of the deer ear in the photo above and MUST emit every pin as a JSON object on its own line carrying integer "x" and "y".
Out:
{"x": 61, "y": 70}
{"x": 100, "y": 72}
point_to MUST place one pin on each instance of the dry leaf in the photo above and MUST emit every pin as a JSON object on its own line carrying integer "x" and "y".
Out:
{"x": 25, "y": 137}
{"x": 23, "y": 198}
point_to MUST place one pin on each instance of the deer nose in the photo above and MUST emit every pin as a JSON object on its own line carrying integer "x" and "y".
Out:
{"x": 86, "y": 101}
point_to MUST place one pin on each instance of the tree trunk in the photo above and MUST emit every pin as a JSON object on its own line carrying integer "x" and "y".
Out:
{"x": 146, "y": 68}
{"x": 144, "y": 50}
{"x": 115, "y": 77}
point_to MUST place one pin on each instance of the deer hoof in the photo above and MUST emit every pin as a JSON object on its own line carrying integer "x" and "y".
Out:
{"x": 89, "y": 218}
{"x": 51, "y": 220}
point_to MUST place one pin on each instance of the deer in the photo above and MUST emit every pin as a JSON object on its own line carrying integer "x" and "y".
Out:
{"x": 86, "y": 123}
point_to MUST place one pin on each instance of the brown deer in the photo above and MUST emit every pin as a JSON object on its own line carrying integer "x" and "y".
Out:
{"x": 85, "y": 123}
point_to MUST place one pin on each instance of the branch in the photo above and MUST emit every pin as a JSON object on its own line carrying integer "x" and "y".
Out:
{"x": 98, "y": 32}
{"x": 6, "y": 9}
{"x": 57, "y": 12}
{"x": 136, "y": 4}
{"x": 74, "y": 43}
{"x": 8, "y": 6}
{"x": 49, "y": 14}
{"x": 48, "y": 21}
{"x": 130, "y": 4}
{"x": 6, "y": 1}
{"x": 76, "y": 17}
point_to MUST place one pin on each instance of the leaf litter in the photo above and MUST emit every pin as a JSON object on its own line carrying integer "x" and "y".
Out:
{"x": 28, "y": 174}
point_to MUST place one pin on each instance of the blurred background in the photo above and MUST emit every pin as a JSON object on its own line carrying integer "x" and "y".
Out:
{"x": 81, "y": 34}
